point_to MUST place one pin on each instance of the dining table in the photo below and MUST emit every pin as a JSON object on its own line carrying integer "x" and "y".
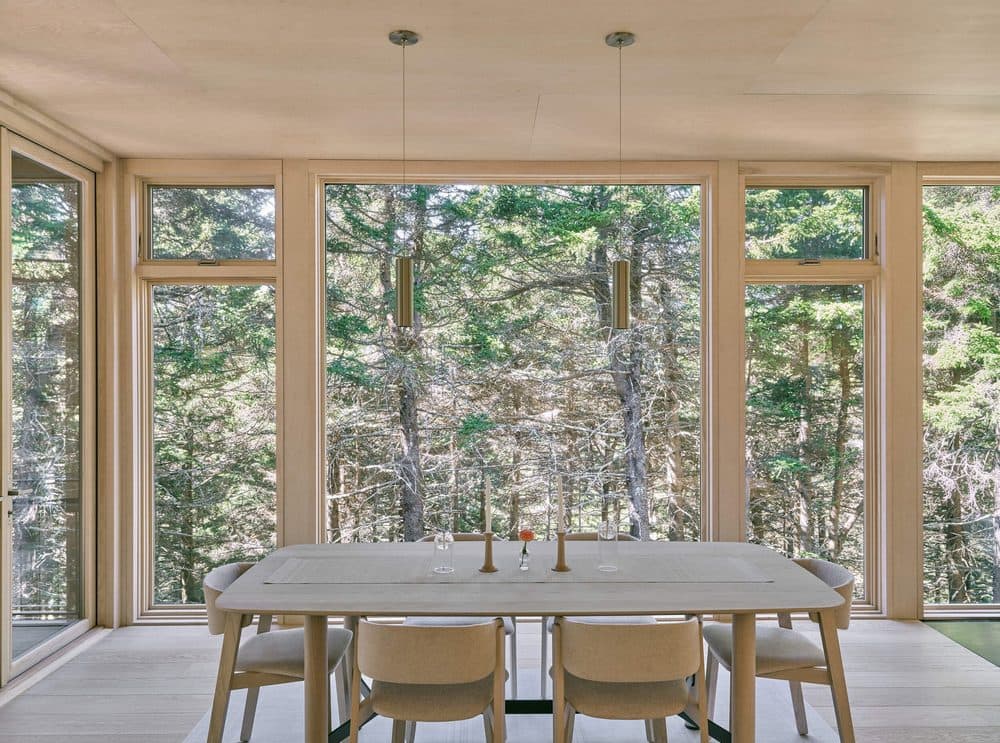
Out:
{"x": 391, "y": 580}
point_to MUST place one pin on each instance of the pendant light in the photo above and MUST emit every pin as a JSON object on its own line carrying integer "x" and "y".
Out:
{"x": 621, "y": 269}
{"x": 404, "y": 263}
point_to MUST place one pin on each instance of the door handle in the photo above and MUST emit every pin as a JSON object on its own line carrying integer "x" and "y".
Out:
{"x": 12, "y": 493}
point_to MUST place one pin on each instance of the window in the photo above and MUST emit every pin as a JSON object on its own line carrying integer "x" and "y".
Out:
{"x": 805, "y": 421}
{"x": 211, "y": 366}
{"x": 212, "y": 222}
{"x": 511, "y": 371}
{"x": 807, "y": 223}
{"x": 213, "y": 431}
{"x": 962, "y": 394}
{"x": 46, "y": 317}
{"x": 808, "y": 372}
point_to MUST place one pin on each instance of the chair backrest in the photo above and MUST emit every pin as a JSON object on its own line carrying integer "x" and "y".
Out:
{"x": 461, "y": 536}
{"x": 403, "y": 654}
{"x": 591, "y": 536}
{"x": 213, "y": 584}
{"x": 840, "y": 579}
{"x": 616, "y": 653}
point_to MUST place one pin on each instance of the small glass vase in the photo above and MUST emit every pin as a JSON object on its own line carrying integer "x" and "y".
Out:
{"x": 525, "y": 559}
{"x": 444, "y": 557}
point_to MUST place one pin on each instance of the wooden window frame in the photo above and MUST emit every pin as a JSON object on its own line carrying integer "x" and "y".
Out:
{"x": 684, "y": 173}
{"x": 864, "y": 272}
{"x": 148, "y": 272}
{"x": 11, "y": 143}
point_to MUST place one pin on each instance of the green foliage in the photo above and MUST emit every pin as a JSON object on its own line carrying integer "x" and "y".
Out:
{"x": 508, "y": 322}
{"x": 961, "y": 394}
{"x": 44, "y": 352}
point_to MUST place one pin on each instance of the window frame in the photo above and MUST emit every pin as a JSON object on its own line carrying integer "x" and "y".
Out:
{"x": 865, "y": 272}
{"x": 149, "y": 272}
{"x": 11, "y": 143}
{"x": 693, "y": 173}
{"x": 943, "y": 174}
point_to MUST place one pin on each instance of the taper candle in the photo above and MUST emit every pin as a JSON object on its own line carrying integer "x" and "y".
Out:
{"x": 561, "y": 523}
{"x": 488, "y": 508}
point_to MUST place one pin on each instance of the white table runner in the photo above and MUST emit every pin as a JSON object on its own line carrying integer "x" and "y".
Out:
{"x": 378, "y": 569}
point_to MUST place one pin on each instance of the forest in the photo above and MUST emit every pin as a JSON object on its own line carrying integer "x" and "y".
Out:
{"x": 44, "y": 317}
{"x": 962, "y": 394}
{"x": 512, "y": 373}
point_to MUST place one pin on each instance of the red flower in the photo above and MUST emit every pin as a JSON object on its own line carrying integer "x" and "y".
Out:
{"x": 526, "y": 535}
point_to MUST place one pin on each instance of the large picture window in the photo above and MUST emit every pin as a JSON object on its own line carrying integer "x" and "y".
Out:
{"x": 511, "y": 372}
{"x": 962, "y": 394}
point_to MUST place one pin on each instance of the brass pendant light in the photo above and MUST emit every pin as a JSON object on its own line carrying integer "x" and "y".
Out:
{"x": 404, "y": 263}
{"x": 621, "y": 269}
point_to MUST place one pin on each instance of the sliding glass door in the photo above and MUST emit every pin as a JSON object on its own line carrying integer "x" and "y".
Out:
{"x": 47, "y": 359}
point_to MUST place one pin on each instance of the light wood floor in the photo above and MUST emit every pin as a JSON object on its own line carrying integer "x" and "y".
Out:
{"x": 907, "y": 683}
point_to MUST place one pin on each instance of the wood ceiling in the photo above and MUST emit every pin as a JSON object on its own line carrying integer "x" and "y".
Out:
{"x": 514, "y": 80}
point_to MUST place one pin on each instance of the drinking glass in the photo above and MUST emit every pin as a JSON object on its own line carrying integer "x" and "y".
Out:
{"x": 607, "y": 547}
{"x": 444, "y": 555}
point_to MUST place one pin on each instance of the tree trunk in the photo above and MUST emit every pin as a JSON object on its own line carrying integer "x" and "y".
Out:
{"x": 625, "y": 356}
{"x": 837, "y": 533}
{"x": 804, "y": 485}
{"x": 406, "y": 355}
{"x": 957, "y": 549}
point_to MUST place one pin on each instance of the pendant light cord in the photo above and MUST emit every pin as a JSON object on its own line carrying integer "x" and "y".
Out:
{"x": 621, "y": 214}
{"x": 403, "y": 46}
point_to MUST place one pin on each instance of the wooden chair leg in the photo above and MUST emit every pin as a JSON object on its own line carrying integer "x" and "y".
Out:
{"x": 398, "y": 731}
{"x": 799, "y": 706}
{"x": 249, "y": 712}
{"x": 660, "y": 730}
{"x": 355, "y": 689}
{"x": 411, "y": 731}
{"x": 558, "y": 687}
{"x": 701, "y": 694}
{"x": 835, "y": 669}
{"x": 570, "y": 723}
{"x": 342, "y": 689}
{"x": 712, "y": 684}
{"x": 544, "y": 677}
{"x": 513, "y": 658}
{"x": 499, "y": 686}
{"x": 488, "y": 724}
{"x": 224, "y": 679}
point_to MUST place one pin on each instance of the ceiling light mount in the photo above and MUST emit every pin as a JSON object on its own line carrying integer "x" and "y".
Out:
{"x": 618, "y": 39}
{"x": 402, "y": 37}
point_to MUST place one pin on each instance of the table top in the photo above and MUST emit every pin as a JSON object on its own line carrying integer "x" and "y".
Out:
{"x": 395, "y": 579}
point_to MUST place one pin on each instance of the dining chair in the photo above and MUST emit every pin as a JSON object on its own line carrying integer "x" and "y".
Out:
{"x": 782, "y": 652}
{"x": 265, "y": 659}
{"x": 584, "y": 536}
{"x": 627, "y": 672}
{"x": 509, "y": 623}
{"x": 430, "y": 674}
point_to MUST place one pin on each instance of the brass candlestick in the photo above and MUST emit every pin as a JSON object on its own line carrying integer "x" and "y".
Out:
{"x": 488, "y": 566}
{"x": 561, "y": 566}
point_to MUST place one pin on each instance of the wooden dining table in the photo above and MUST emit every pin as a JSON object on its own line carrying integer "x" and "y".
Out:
{"x": 653, "y": 578}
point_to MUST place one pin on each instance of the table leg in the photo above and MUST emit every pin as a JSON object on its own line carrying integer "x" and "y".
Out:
{"x": 835, "y": 668}
{"x": 743, "y": 692}
{"x": 316, "y": 674}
